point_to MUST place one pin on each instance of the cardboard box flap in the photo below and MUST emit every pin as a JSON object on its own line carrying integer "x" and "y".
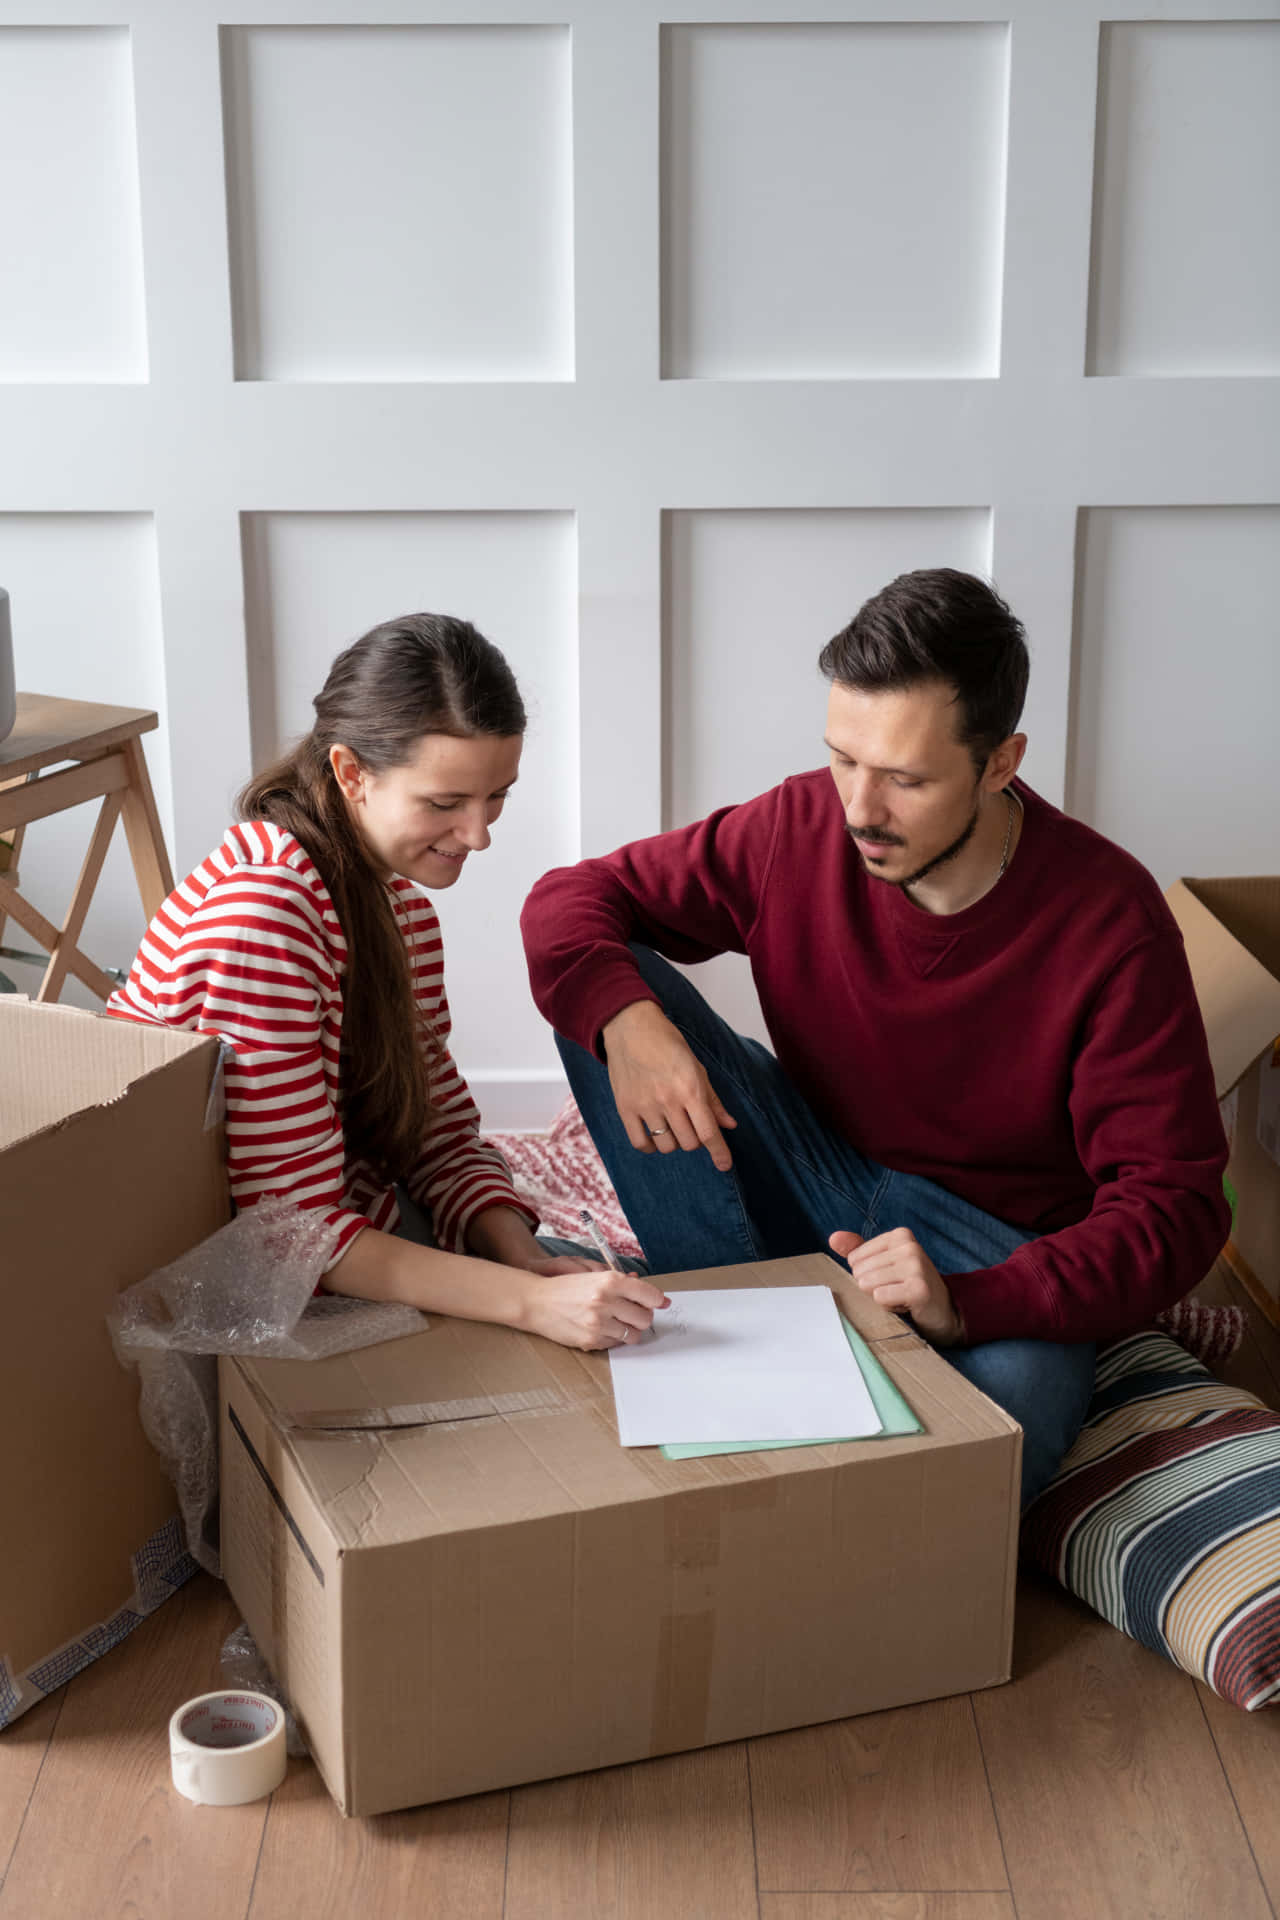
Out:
{"x": 1249, "y": 908}
{"x": 60, "y": 1060}
{"x": 1231, "y": 929}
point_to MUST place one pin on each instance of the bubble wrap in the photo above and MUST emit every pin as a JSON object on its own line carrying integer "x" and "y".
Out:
{"x": 244, "y": 1670}
{"x": 247, "y": 1289}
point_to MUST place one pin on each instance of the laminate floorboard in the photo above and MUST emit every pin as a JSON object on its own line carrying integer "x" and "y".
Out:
{"x": 887, "y": 1802}
{"x": 664, "y": 1840}
{"x": 105, "y": 1833}
{"x": 886, "y": 1906}
{"x": 1110, "y": 1795}
{"x": 23, "y": 1747}
{"x": 1249, "y": 1747}
{"x": 315, "y": 1865}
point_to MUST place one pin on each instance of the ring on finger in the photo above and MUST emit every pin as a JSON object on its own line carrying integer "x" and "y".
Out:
{"x": 655, "y": 1131}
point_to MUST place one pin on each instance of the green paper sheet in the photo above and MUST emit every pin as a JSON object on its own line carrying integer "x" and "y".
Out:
{"x": 895, "y": 1415}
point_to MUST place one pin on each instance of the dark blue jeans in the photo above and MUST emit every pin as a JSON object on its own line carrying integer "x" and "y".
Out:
{"x": 794, "y": 1182}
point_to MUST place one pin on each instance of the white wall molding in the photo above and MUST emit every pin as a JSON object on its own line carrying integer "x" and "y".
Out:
{"x": 1085, "y": 347}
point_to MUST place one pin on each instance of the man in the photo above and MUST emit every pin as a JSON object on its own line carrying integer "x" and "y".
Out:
{"x": 990, "y": 1088}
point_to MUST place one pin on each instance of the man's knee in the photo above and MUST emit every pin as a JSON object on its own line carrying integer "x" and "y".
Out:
{"x": 1051, "y": 1382}
{"x": 1044, "y": 1386}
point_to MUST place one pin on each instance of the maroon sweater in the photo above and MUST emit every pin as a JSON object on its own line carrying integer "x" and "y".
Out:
{"x": 1040, "y": 1054}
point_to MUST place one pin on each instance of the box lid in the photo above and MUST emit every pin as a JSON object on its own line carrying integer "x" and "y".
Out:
{"x": 58, "y": 1061}
{"x": 1231, "y": 928}
{"x": 471, "y": 1425}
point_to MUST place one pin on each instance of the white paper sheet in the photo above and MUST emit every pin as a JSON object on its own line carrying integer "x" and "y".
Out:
{"x": 745, "y": 1363}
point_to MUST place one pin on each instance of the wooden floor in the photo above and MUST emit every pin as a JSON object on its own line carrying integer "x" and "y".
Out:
{"x": 1100, "y": 1784}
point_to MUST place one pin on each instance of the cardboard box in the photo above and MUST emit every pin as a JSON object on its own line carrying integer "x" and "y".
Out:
{"x": 1232, "y": 934}
{"x": 463, "y": 1582}
{"x": 107, "y": 1171}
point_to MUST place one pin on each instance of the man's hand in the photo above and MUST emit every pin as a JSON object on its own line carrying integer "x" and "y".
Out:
{"x": 662, "y": 1092}
{"x": 897, "y": 1272}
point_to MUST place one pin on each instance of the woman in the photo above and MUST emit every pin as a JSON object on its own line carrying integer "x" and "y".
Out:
{"x": 304, "y": 942}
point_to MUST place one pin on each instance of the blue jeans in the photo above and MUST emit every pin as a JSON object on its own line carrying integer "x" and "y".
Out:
{"x": 794, "y": 1182}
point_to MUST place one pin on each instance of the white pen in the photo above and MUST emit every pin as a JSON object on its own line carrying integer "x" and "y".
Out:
{"x": 598, "y": 1240}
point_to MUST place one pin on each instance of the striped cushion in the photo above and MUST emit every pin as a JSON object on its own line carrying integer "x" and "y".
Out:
{"x": 1165, "y": 1517}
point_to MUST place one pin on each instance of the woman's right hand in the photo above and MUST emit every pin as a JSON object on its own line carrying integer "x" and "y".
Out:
{"x": 590, "y": 1310}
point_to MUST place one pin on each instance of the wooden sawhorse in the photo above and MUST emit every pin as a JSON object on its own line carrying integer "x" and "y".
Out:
{"x": 105, "y": 744}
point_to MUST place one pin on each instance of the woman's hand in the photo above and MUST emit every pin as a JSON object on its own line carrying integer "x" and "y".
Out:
{"x": 663, "y": 1095}
{"x": 563, "y": 1298}
{"x": 591, "y": 1308}
{"x": 897, "y": 1272}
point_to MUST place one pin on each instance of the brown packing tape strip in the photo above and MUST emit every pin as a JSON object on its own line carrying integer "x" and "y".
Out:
{"x": 424, "y": 1413}
{"x": 682, "y": 1684}
{"x": 687, "y": 1632}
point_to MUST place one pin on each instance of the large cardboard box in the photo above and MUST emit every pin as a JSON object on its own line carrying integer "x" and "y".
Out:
{"x": 111, "y": 1164}
{"x": 1232, "y": 934}
{"x": 463, "y": 1581}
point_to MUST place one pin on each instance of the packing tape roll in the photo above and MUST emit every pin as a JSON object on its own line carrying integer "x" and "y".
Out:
{"x": 227, "y": 1748}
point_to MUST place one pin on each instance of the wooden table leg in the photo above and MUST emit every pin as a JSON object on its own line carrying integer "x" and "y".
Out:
{"x": 46, "y": 935}
{"x": 15, "y": 844}
{"x": 144, "y": 832}
{"x": 68, "y": 938}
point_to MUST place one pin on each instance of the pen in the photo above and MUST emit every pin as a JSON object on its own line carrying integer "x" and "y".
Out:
{"x": 598, "y": 1240}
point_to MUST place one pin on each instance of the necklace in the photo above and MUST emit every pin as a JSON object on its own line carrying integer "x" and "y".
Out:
{"x": 1013, "y": 807}
{"x": 1008, "y": 835}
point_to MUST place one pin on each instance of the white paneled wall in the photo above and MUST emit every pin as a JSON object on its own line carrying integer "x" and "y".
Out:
{"x": 71, "y": 251}
{"x": 821, "y": 184}
{"x": 1184, "y": 280}
{"x": 652, "y": 338}
{"x": 1176, "y": 714}
{"x": 401, "y": 202}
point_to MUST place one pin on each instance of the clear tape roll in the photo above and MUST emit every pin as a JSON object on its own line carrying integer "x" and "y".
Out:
{"x": 227, "y": 1748}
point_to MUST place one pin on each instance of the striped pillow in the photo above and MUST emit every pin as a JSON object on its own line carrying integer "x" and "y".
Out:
{"x": 1165, "y": 1517}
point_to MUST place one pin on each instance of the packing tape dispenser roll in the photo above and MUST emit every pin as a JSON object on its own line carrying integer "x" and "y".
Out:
{"x": 227, "y": 1748}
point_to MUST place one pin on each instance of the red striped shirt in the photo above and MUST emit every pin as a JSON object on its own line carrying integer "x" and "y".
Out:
{"x": 249, "y": 947}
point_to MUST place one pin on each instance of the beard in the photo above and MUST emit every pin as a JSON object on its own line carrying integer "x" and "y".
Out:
{"x": 930, "y": 866}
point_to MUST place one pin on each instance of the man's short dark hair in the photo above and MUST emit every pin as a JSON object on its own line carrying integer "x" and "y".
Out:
{"x": 939, "y": 624}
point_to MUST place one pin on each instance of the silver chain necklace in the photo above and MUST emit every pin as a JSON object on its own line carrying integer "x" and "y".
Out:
{"x": 1008, "y": 834}
{"x": 1013, "y": 808}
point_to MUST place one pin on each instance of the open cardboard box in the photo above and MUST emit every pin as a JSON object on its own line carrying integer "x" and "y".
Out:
{"x": 111, "y": 1164}
{"x": 462, "y": 1581}
{"x": 1232, "y": 933}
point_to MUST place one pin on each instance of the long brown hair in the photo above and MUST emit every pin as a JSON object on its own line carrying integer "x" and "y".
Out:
{"x": 425, "y": 673}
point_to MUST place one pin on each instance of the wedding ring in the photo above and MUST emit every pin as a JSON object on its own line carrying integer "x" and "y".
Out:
{"x": 626, "y": 1335}
{"x": 655, "y": 1131}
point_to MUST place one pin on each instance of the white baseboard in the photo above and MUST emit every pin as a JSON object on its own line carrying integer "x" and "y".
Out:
{"x": 516, "y": 1099}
